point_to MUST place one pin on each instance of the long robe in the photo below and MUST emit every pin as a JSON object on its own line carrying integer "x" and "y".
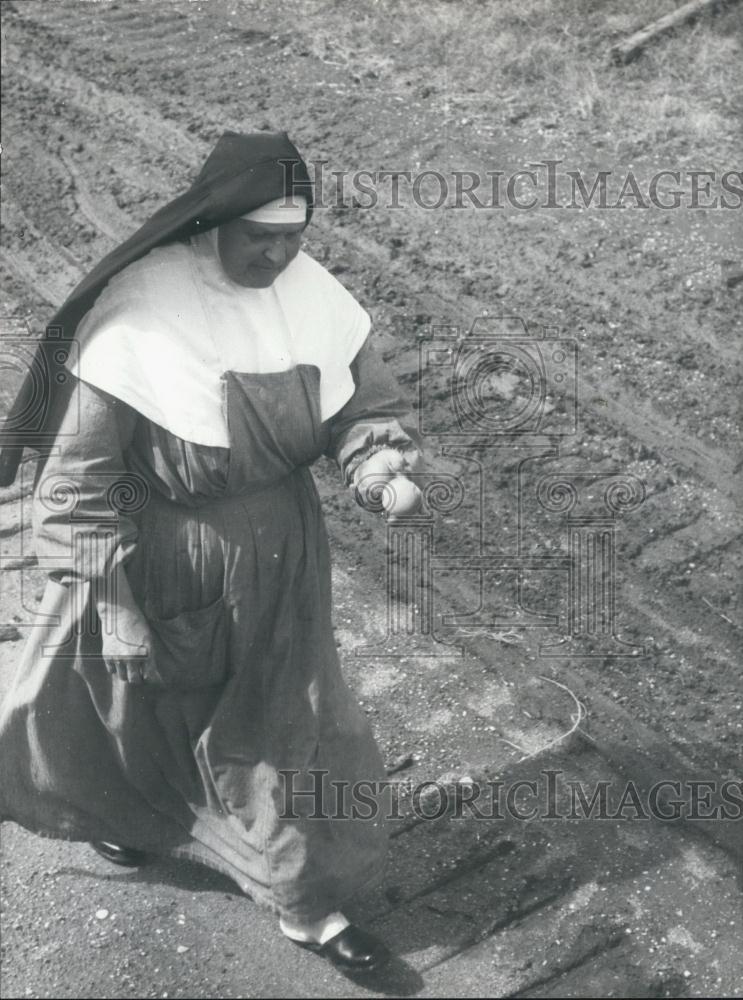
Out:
{"x": 226, "y": 553}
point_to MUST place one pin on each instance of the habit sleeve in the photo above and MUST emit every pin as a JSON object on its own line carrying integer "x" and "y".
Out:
{"x": 375, "y": 417}
{"x": 84, "y": 496}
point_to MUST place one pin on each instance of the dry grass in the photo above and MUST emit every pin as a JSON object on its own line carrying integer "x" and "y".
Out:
{"x": 550, "y": 56}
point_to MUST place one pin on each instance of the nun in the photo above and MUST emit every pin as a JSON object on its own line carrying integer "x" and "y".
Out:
{"x": 181, "y": 693}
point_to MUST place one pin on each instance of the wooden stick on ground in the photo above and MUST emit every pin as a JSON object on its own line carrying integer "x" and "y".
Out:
{"x": 629, "y": 48}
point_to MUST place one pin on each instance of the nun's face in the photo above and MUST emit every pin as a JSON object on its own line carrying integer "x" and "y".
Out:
{"x": 254, "y": 254}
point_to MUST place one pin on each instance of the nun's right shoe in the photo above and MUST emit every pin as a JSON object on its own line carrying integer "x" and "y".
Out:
{"x": 352, "y": 949}
{"x": 127, "y": 857}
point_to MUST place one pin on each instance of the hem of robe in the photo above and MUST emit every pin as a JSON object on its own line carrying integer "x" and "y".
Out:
{"x": 200, "y": 853}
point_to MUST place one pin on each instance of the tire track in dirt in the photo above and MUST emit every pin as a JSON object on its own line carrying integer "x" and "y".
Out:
{"x": 86, "y": 206}
{"x": 627, "y": 411}
{"x": 52, "y": 279}
{"x": 140, "y": 121}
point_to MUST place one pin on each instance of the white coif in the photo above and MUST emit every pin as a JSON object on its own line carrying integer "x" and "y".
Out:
{"x": 165, "y": 330}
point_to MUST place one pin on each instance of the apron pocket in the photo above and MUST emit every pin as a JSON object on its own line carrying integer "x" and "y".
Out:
{"x": 190, "y": 650}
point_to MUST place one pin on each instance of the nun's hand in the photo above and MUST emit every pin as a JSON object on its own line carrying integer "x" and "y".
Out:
{"x": 401, "y": 498}
{"x": 127, "y": 649}
{"x": 382, "y": 484}
{"x": 371, "y": 476}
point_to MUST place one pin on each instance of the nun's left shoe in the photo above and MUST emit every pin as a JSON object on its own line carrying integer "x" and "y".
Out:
{"x": 352, "y": 949}
{"x": 127, "y": 857}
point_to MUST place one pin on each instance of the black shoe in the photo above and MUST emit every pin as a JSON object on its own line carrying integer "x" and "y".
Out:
{"x": 128, "y": 857}
{"x": 351, "y": 949}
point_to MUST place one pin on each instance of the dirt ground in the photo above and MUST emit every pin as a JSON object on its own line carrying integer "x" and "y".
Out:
{"x": 108, "y": 110}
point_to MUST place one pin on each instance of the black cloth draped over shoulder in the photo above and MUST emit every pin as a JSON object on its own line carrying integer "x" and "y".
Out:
{"x": 242, "y": 173}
